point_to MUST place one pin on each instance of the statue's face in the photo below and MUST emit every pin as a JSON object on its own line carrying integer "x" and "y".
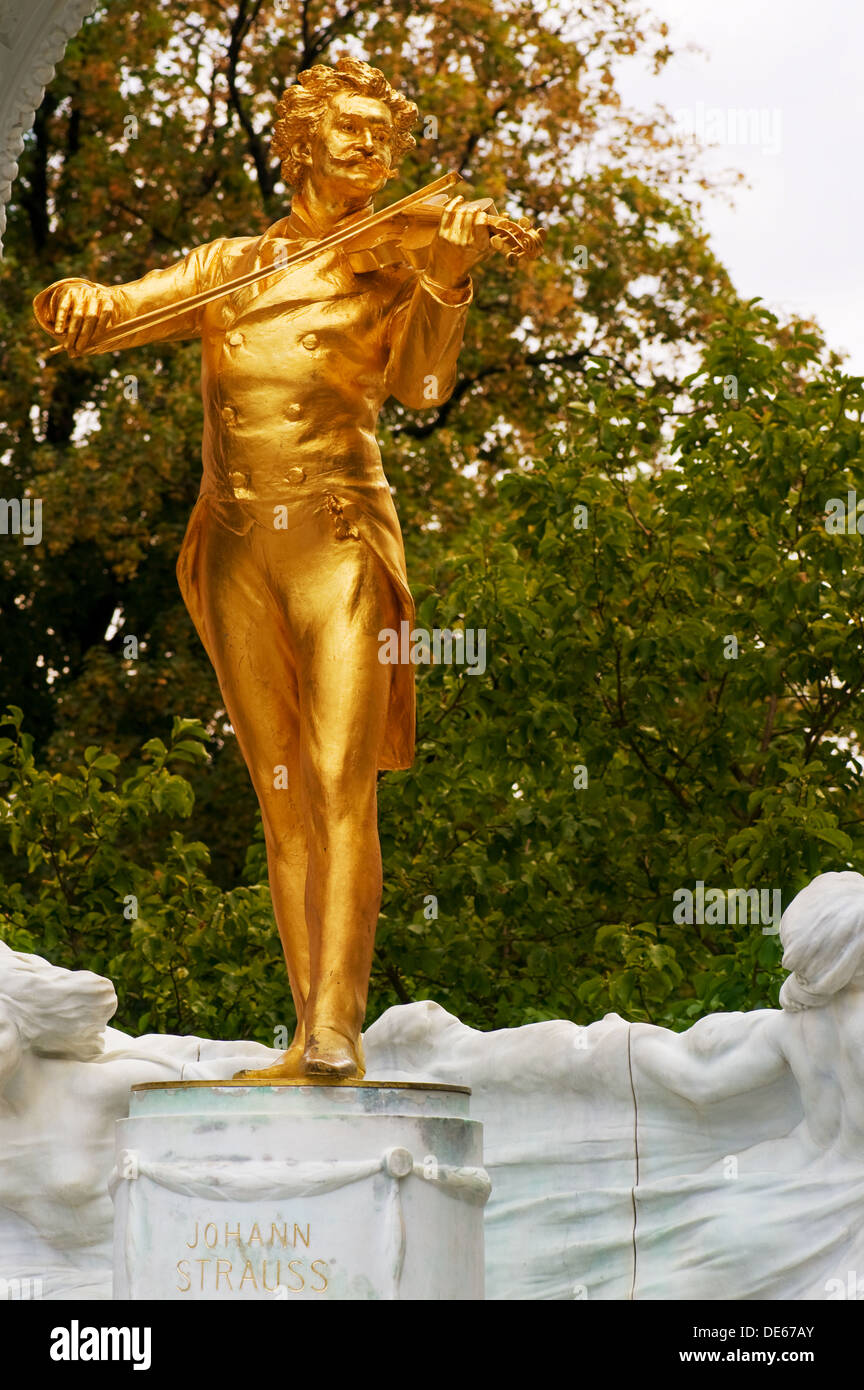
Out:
{"x": 351, "y": 150}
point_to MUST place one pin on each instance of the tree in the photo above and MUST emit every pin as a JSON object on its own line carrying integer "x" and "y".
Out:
{"x": 185, "y": 956}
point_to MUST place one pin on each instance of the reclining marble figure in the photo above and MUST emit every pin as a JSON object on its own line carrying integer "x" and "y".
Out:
{"x": 739, "y": 1144}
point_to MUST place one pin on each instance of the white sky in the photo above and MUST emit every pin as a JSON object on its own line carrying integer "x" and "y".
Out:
{"x": 794, "y": 236}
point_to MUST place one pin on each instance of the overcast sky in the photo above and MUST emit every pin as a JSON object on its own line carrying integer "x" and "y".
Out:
{"x": 795, "y": 234}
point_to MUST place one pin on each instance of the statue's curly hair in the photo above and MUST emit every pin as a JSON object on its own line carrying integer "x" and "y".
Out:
{"x": 303, "y": 106}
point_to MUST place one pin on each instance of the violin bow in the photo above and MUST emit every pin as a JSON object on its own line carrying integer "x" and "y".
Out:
{"x": 166, "y": 313}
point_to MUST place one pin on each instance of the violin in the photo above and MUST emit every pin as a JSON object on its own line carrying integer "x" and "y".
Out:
{"x": 400, "y": 233}
{"x": 408, "y": 234}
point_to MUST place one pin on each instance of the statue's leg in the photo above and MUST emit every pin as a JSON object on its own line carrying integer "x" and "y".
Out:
{"x": 242, "y": 625}
{"x": 340, "y": 599}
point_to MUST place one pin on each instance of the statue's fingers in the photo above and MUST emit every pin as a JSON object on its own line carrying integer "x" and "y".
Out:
{"x": 97, "y": 316}
{"x": 105, "y": 316}
{"x": 449, "y": 214}
{"x": 64, "y": 306}
{"x": 480, "y": 230}
{"x": 478, "y": 233}
{"x": 73, "y": 325}
{"x": 463, "y": 226}
{"x": 86, "y": 335}
{"x": 85, "y": 319}
{"x": 90, "y": 303}
{"x": 88, "y": 325}
{"x": 470, "y": 224}
{"x": 457, "y": 225}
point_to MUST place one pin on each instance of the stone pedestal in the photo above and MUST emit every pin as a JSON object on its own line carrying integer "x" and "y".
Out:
{"x": 244, "y": 1190}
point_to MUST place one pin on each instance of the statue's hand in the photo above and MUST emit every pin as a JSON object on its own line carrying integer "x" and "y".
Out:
{"x": 80, "y": 313}
{"x": 462, "y": 240}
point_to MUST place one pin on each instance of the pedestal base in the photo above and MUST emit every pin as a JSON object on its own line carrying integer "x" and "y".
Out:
{"x": 257, "y": 1190}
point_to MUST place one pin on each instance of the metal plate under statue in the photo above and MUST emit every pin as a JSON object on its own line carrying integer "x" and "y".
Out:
{"x": 232, "y": 1190}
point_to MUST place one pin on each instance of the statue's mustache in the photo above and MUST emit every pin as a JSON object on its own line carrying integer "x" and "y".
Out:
{"x": 370, "y": 162}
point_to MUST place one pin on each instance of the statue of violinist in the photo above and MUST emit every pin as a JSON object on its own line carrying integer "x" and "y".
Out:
{"x": 293, "y": 561}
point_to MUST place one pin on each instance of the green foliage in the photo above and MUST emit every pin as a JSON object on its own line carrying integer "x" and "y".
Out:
{"x": 185, "y": 956}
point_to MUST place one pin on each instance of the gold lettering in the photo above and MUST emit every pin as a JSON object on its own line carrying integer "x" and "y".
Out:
{"x": 211, "y": 1226}
{"x": 264, "y": 1276}
{"x": 224, "y": 1273}
{"x": 184, "y": 1274}
{"x": 321, "y": 1275}
{"x": 298, "y": 1232}
{"x": 232, "y": 1235}
{"x": 276, "y": 1234}
{"x": 202, "y": 1263}
{"x": 297, "y": 1275}
{"x": 248, "y": 1274}
{"x": 254, "y": 1235}
{"x": 191, "y": 1244}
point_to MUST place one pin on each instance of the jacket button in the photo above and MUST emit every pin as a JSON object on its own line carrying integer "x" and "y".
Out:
{"x": 292, "y": 412}
{"x": 229, "y": 414}
{"x": 238, "y": 479}
{"x": 296, "y": 475}
{"x": 235, "y": 339}
{"x": 309, "y": 341}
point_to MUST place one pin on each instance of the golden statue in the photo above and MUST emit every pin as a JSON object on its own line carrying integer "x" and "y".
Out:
{"x": 293, "y": 561}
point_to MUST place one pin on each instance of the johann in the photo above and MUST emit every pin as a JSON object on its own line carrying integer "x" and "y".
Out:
{"x": 717, "y": 906}
{"x": 21, "y": 517}
{"x": 76, "y": 1343}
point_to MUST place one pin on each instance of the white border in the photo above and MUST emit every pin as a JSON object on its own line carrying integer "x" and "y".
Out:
{"x": 33, "y": 39}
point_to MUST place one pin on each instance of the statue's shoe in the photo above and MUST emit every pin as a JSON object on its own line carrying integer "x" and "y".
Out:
{"x": 330, "y": 1053}
{"x": 290, "y": 1067}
